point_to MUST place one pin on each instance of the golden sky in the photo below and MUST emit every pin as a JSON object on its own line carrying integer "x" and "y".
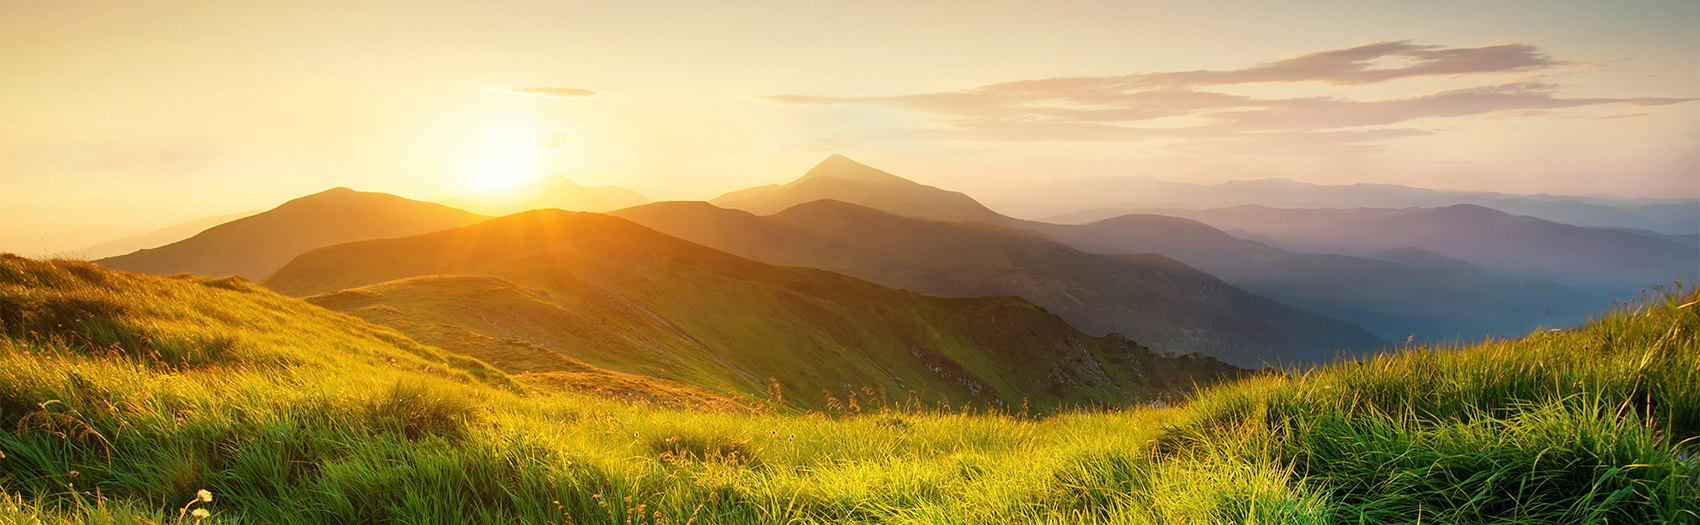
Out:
{"x": 117, "y": 118}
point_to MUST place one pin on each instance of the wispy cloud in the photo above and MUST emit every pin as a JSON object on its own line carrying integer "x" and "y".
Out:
{"x": 1120, "y": 108}
{"x": 554, "y": 141}
{"x": 546, "y": 92}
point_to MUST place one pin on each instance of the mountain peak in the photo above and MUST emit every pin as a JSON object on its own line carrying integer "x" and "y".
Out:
{"x": 556, "y": 180}
{"x": 333, "y": 192}
{"x": 841, "y": 167}
{"x": 337, "y": 195}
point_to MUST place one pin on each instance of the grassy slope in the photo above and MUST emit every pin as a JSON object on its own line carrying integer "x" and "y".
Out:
{"x": 620, "y": 296}
{"x": 1153, "y": 300}
{"x": 257, "y": 245}
{"x": 1595, "y": 425}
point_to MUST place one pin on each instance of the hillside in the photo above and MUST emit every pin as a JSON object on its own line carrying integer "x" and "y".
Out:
{"x": 839, "y": 178}
{"x": 255, "y": 246}
{"x": 1391, "y": 300}
{"x": 1154, "y": 300}
{"x": 1497, "y": 242}
{"x": 620, "y": 296}
{"x": 547, "y": 192}
{"x": 302, "y": 416}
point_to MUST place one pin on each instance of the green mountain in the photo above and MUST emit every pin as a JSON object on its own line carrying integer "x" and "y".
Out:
{"x": 1151, "y": 299}
{"x": 548, "y": 192}
{"x": 257, "y": 245}
{"x": 839, "y": 178}
{"x": 619, "y": 296}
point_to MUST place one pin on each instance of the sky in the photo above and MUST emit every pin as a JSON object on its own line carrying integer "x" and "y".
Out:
{"x": 118, "y": 118}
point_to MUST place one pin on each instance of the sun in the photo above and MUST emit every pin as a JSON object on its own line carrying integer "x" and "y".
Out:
{"x": 506, "y": 152}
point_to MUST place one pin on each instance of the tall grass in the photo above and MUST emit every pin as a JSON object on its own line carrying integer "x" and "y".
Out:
{"x": 1593, "y": 425}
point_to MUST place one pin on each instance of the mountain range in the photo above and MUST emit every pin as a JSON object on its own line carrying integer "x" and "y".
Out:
{"x": 1078, "y": 201}
{"x": 619, "y": 296}
{"x": 1172, "y": 284}
{"x": 1490, "y": 239}
{"x": 1152, "y": 299}
{"x": 1390, "y": 299}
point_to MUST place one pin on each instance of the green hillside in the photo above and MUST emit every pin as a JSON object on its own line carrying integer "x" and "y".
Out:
{"x": 620, "y": 296}
{"x": 286, "y": 413}
{"x": 1151, "y": 299}
{"x": 257, "y": 245}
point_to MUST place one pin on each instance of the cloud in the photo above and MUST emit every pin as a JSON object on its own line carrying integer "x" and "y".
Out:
{"x": 1122, "y": 108}
{"x": 545, "y": 92}
{"x": 554, "y": 141}
{"x": 1331, "y": 113}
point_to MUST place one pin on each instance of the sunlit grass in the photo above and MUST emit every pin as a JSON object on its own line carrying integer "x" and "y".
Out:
{"x": 1594, "y": 425}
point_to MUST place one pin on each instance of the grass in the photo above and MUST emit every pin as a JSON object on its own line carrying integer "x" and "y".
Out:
{"x": 1592, "y": 425}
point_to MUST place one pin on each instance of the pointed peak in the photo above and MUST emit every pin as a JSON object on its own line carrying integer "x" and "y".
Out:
{"x": 841, "y": 167}
{"x": 337, "y": 194}
{"x": 558, "y": 180}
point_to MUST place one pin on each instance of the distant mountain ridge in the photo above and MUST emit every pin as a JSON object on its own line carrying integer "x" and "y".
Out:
{"x": 1493, "y": 240}
{"x": 1390, "y": 299}
{"x": 154, "y": 239}
{"x": 1079, "y": 201}
{"x": 548, "y": 192}
{"x": 1154, "y": 300}
{"x": 617, "y": 295}
{"x": 259, "y": 244}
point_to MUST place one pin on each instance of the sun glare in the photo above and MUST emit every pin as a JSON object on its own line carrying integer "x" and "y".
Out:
{"x": 507, "y": 153}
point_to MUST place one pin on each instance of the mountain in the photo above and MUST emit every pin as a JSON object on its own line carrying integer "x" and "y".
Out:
{"x": 1495, "y": 241}
{"x": 157, "y": 238}
{"x": 616, "y": 295}
{"x": 839, "y": 178}
{"x": 1154, "y": 300}
{"x": 548, "y": 192}
{"x": 1390, "y": 299}
{"x": 1427, "y": 260}
{"x": 1079, "y": 201}
{"x": 255, "y": 246}
{"x": 1691, "y": 240}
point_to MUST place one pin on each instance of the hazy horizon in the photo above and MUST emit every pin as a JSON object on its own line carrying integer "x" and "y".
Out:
{"x": 120, "y": 119}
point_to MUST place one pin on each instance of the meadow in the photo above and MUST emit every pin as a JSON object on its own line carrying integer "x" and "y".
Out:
{"x": 123, "y": 396}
